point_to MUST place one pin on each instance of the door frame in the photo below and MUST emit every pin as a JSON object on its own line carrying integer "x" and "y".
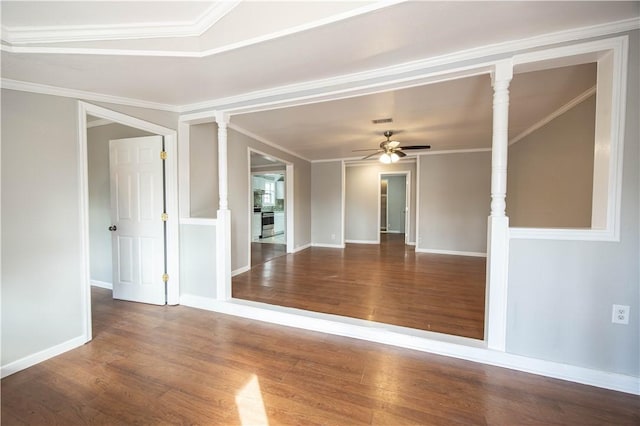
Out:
{"x": 171, "y": 176}
{"x": 407, "y": 202}
{"x": 288, "y": 201}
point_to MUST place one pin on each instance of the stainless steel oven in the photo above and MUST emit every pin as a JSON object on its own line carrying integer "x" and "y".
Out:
{"x": 267, "y": 225}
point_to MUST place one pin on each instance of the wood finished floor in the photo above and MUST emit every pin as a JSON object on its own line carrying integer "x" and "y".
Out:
{"x": 388, "y": 283}
{"x": 264, "y": 252}
{"x": 178, "y": 365}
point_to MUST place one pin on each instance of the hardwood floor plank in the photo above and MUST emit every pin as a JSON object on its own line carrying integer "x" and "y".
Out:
{"x": 177, "y": 365}
{"x": 388, "y": 283}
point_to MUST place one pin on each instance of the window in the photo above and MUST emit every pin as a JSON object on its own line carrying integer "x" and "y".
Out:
{"x": 269, "y": 196}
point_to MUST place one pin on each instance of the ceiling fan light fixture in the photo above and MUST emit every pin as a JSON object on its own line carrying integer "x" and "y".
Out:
{"x": 389, "y": 157}
{"x": 386, "y": 158}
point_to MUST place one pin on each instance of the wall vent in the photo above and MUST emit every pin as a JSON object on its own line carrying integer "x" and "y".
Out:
{"x": 382, "y": 120}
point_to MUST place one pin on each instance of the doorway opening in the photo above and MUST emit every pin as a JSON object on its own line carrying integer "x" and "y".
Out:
{"x": 394, "y": 205}
{"x": 139, "y": 140}
{"x": 268, "y": 193}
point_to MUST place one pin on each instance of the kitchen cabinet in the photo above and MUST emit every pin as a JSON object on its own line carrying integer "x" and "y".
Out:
{"x": 256, "y": 225}
{"x": 278, "y": 223}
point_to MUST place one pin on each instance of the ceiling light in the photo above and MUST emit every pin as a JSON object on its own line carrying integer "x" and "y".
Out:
{"x": 389, "y": 157}
{"x": 385, "y": 158}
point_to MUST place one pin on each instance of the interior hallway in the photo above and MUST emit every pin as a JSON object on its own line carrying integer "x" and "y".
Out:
{"x": 388, "y": 283}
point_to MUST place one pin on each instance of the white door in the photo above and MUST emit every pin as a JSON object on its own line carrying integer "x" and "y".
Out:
{"x": 137, "y": 228}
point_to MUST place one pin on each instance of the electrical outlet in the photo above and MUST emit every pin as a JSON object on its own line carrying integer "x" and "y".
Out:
{"x": 620, "y": 314}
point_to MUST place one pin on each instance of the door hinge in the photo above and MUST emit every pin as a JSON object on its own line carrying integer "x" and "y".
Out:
{"x": 164, "y": 217}
{"x": 165, "y": 277}
{"x": 163, "y": 155}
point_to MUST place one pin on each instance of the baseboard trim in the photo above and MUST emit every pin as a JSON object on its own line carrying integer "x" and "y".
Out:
{"x": 451, "y": 252}
{"x": 341, "y": 246}
{"x": 411, "y": 243}
{"x": 240, "y": 270}
{"x": 304, "y": 247}
{"x": 38, "y": 357}
{"x": 199, "y": 302}
{"x": 102, "y": 284}
{"x": 452, "y": 346}
{"x": 362, "y": 241}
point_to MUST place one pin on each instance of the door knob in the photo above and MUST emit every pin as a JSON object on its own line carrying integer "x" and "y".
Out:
{"x": 113, "y": 228}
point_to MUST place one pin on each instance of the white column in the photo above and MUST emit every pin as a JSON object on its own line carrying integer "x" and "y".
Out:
{"x": 223, "y": 185}
{"x": 498, "y": 226}
{"x": 223, "y": 228}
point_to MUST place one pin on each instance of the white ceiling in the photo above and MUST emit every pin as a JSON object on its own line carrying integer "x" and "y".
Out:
{"x": 250, "y": 46}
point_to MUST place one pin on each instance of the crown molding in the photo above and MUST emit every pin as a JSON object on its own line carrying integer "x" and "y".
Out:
{"x": 75, "y": 33}
{"x": 317, "y": 88}
{"x": 555, "y": 114}
{"x": 99, "y": 122}
{"x": 265, "y": 141}
{"x": 44, "y": 89}
{"x": 33, "y": 35}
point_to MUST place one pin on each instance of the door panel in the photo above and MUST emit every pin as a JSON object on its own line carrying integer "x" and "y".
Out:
{"x": 136, "y": 209}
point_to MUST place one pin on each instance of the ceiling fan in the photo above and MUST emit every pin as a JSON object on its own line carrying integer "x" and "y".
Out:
{"x": 391, "y": 150}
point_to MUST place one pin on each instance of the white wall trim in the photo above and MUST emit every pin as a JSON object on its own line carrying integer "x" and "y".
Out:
{"x": 452, "y": 346}
{"x": 612, "y": 55}
{"x": 16, "y": 35}
{"x": 240, "y": 270}
{"x": 44, "y": 89}
{"x": 266, "y": 142}
{"x": 74, "y": 33}
{"x": 456, "y": 151}
{"x": 199, "y": 302}
{"x": 359, "y": 162}
{"x": 102, "y": 284}
{"x": 300, "y": 248}
{"x": 258, "y": 99}
{"x": 559, "y": 234}
{"x": 173, "y": 232}
{"x": 198, "y": 221}
{"x": 411, "y": 243}
{"x": 362, "y": 241}
{"x": 451, "y": 252}
{"x": 555, "y": 114}
{"x": 322, "y": 85}
{"x": 338, "y": 246}
{"x": 38, "y": 357}
{"x": 98, "y": 123}
{"x": 184, "y": 169}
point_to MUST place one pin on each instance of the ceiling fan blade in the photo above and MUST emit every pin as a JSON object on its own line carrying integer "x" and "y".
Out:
{"x": 371, "y": 155}
{"x": 415, "y": 147}
{"x": 368, "y": 149}
{"x": 393, "y": 144}
{"x": 400, "y": 153}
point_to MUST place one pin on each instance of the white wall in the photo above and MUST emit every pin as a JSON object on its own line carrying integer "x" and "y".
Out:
{"x": 362, "y": 184}
{"x": 40, "y": 216}
{"x": 198, "y": 260}
{"x": 203, "y": 170}
{"x": 454, "y": 202}
{"x": 41, "y": 277}
{"x": 326, "y": 203}
{"x": 561, "y": 293}
{"x": 100, "y": 195}
{"x": 550, "y": 176}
